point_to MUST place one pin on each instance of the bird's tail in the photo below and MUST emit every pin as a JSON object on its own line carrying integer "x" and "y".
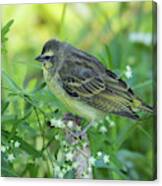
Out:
{"x": 146, "y": 108}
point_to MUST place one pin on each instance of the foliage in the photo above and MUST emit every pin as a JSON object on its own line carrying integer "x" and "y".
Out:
{"x": 30, "y": 147}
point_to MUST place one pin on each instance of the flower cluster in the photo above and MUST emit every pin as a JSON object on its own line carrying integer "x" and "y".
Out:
{"x": 103, "y": 125}
{"x": 8, "y": 150}
{"x": 110, "y": 121}
{"x": 128, "y": 72}
{"x": 100, "y": 156}
{"x": 65, "y": 160}
{"x": 57, "y": 123}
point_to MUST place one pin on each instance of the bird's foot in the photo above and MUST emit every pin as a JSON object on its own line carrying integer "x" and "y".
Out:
{"x": 80, "y": 134}
{"x": 76, "y": 131}
{"x": 72, "y": 117}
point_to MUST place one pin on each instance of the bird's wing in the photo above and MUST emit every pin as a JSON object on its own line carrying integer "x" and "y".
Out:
{"x": 82, "y": 79}
{"x": 98, "y": 87}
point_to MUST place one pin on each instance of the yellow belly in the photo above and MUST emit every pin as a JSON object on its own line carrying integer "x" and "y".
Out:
{"x": 71, "y": 104}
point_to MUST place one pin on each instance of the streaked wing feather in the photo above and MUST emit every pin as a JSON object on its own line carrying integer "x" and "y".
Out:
{"x": 98, "y": 87}
{"x": 117, "y": 85}
{"x": 84, "y": 88}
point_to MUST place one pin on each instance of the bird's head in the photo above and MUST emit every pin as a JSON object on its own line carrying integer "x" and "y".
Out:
{"x": 49, "y": 54}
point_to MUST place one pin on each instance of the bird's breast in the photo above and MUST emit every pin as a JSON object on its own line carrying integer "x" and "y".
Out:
{"x": 72, "y": 105}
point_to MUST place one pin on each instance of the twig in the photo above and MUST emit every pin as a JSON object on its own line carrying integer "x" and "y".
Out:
{"x": 40, "y": 126}
{"x": 81, "y": 155}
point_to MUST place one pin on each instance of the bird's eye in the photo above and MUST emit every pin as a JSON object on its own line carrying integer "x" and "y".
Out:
{"x": 47, "y": 57}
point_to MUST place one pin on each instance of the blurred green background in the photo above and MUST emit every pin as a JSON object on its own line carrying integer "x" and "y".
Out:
{"x": 120, "y": 36}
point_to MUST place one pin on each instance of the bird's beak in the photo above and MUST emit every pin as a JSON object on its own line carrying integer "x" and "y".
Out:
{"x": 39, "y": 58}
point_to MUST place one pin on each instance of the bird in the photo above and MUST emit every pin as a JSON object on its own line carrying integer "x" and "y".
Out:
{"x": 85, "y": 86}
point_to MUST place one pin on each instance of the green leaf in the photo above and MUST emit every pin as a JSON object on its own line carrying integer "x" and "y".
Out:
{"x": 33, "y": 169}
{"x": 100, "y": 164}
{"x": 28, "y": 148}
{"x": 124, "y": 134}
{"x": 70, "y": 174}
{"x": 8, "y": 118}
{"x": 6, "y": 168}
{"x": 5, "y": 105}
{"x": 6, "y": 29}
{"x": 10, "y": 82}
{"x": 109, "y": 56}
{"x": 4, "y": 32}
{"x": 124, "y": 154}
{"x": 7, "y": 172}
{"x": 39, "y": 87}
{"x": 113, "y": 167}
{"x": 24, "y": 145}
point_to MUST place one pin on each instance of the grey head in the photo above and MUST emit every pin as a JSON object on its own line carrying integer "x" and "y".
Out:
{"x": 49, "y": 52}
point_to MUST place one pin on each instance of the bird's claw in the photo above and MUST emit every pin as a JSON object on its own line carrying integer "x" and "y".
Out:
{"x": 78, "y": 134}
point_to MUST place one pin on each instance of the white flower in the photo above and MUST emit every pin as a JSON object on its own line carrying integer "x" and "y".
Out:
{"x": 58, "y": 172}
{"x": 69, "y": 156}
{"x": 3, "y": 148}
{"x": 85, "y": 144}
{"x": 68, "y": 167}
{"x": 106, "y": 158}
{"x": 70, "y": 124}
{"x": 57, "y": 136}
{"x": 58, "y": 123}
{"x": 66, "y": 149}
{"x": 64, "y": 171}
{"x": 11, "y": 157}
{"x": 89, "y": 169}
{"x": 140, "y": 37}
{"x": 57, "y": 169}
{"x": 75, "y": 165}
{"x": 107, "y": 118}
{"x": 64, "y": 142}
{"x": 17, "y": 144}
{"x": 86, "y": 176}
{"x": 78, "y": 147}
{"x": 112, "y": 124}
{"x": 60, "y": 175}
{"x": 128, "y": 72}
{"x": 99, "y": 154}
{"x": 95, "y": 125}
{"x": 92, "y": 160}
{"x": 78, "y": 128}
{"x": 103, "y": 129}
